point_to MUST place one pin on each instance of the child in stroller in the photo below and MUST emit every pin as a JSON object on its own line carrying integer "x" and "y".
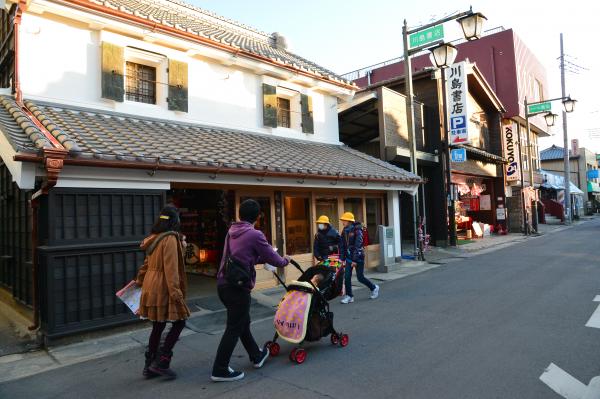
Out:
{"x": 303, "y": 313}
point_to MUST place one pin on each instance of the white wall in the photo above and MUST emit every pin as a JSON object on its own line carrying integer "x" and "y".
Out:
{"x": 61, "y": 62}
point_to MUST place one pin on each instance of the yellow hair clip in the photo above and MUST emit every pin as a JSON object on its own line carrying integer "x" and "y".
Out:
{"x": 165, "y": 217}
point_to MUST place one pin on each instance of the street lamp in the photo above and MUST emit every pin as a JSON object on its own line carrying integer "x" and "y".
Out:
{"x": 472, "y": 25}
{"x": 550, "y": 119}
{"x": 569, "y": 104}
{"x": 443, "y": 56}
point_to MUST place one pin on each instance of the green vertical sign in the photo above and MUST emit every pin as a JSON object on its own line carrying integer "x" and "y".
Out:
{"x": 429, "y": 35}
{"x": 541, "y": 107}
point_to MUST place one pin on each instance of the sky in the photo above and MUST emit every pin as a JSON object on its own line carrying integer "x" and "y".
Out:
{"x": 345, "y": 35}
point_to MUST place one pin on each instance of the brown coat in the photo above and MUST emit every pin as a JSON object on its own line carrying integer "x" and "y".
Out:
{"x": 163, "y": 279}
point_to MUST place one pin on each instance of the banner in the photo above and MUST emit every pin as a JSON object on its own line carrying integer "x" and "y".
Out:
{"x": 511, "y": 150}
{"x": 457, "y": 91}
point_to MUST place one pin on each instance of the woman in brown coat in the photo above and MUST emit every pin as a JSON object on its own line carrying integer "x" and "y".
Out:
{"x": 163, "y": 282}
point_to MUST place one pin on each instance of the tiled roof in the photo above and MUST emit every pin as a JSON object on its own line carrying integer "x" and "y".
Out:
{"x": 482, "y": 155}
{"x": 21, "y": 133}
{"x": 554, "y": 152}
{"x": 187, "y": 18}
{"x": 107, "y": 136}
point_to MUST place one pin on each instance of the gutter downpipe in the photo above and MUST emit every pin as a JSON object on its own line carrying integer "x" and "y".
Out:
{"x": 53, "y": 162}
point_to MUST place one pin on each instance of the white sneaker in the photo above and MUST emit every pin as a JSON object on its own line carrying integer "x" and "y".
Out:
{"x": 347, "y": 299}
{"x": 375, "y": 292}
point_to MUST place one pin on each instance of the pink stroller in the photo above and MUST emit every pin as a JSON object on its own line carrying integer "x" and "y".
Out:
{"x": 303, "y": 314}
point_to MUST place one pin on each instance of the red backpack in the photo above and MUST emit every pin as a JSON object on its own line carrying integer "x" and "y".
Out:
{"x": 365, "y": 235}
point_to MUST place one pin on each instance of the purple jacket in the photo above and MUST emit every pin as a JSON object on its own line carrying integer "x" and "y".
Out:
{"x": 250, "y": 247}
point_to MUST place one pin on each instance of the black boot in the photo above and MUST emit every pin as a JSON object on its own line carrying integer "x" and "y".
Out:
{"x": 161, "y": 365}
{"x": 150, "y": 356}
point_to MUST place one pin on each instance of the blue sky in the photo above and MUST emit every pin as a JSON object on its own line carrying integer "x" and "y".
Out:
{"x": 347, "y": 35}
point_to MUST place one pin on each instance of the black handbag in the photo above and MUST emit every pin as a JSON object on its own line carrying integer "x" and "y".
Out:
{"x": 235, "y": 273}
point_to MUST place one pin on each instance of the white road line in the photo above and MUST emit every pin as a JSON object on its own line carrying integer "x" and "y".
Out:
{"x": 594, "y": 321}
{"x": 563, "y": 383}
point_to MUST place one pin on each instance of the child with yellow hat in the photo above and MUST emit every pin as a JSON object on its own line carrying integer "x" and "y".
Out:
{"x": 352, "y": 252}
{"x": 327, "y": 239}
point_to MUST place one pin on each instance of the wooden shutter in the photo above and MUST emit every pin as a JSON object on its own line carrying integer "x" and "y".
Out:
{"x": 307, "y": 114}
{"x": 269, "y": 105}
{"x": 178, "y": 86}
{"x": 113, "y": 64}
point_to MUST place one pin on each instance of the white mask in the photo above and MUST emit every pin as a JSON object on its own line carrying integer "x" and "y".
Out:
{"x": 321, "y": 226}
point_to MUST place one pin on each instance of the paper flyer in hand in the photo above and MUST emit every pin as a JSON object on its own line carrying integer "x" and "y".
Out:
{"x": 130, "y": 295}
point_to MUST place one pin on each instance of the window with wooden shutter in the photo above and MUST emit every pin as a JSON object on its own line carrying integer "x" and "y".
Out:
{"x": 307, "y": 114}
{"x": 269, "y": 105}
{"x": 113, "y": 63}
{"x": 178, "y": 86}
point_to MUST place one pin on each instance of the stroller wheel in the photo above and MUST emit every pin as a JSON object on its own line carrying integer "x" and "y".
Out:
{"x": 344, "y": 340}
{"x": 335, "y": 339}
{"x": 274, "y": 348}
{"x": 293, "y": 355}
{"x": 300, "y": 355}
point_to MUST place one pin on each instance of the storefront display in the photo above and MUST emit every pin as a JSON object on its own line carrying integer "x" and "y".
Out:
{"x": 205, "y": 216}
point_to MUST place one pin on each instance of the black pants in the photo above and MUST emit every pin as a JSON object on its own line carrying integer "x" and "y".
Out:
{"x": 237, "y": 302}
{"x": 157, "y": 329}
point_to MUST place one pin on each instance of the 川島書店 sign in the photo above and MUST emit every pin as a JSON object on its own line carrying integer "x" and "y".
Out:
{"x": 511, "y": 149}
{"x": 457, "y": 90}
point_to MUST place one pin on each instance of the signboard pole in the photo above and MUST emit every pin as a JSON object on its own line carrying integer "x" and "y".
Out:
{"x": 449, "y": 197}
{"x": 410, "y": 112}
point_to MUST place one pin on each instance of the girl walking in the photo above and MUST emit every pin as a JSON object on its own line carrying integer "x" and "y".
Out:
{"x": 163, "y": 281}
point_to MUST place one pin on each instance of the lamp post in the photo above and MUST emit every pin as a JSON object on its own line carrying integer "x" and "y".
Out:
{"x": 472, "y": 25}
{"x": 550, "y": 118}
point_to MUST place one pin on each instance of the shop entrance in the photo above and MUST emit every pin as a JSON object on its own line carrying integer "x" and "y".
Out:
{"x": 205, "y": 216}
{"x": 475, "y": 207}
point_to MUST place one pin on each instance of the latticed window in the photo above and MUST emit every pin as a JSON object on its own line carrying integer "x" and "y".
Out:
{"x": 283, "y": 112}
{"x": 141, "y": 83}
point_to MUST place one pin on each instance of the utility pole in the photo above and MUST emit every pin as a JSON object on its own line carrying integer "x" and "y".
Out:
{"x": 565, "y": 138}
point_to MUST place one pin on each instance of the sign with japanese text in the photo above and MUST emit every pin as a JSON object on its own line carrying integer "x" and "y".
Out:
{"x": 540, "y": 107}
{"x": 458, "y": 155}
{"x": 457, "y": 90}
{"x": 425, "y": 36}
{"x": 511, "y": 150}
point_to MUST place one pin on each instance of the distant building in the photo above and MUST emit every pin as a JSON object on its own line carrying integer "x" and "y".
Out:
{"x": 584, "y": 168}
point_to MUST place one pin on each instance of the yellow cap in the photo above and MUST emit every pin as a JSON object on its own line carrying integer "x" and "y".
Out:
{"x": 323, "y": 219}
{"x": 348, "y": 217}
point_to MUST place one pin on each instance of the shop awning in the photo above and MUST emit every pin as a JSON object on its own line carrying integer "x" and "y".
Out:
{"x": 593, "y": 187}
{"x": 556, "y": 182}
{"x": 481, "y": 155}
{"x": 106, "y": 139}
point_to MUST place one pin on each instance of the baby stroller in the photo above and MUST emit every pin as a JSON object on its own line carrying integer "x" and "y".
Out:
{"x": 303, "y": 314}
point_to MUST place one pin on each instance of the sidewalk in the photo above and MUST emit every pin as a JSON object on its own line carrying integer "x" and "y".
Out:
{"x": 211, "y": 322}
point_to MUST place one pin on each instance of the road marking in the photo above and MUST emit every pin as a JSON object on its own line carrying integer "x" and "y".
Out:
{"x": 594, "y": 321}
{"x": 563, "y": 383}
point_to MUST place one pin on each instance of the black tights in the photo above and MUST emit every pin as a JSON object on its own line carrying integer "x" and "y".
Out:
{"x": 157, "y": 329}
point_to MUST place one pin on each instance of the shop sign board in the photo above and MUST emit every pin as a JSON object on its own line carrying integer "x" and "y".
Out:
{"x": 459, "y": 155}
{"x": 501, "y": 213}
{"x": 458, "y": 117}
{"x": 511, "y": 151}
{"x": 426, "y": 36}
{"x": 593, "y": 174}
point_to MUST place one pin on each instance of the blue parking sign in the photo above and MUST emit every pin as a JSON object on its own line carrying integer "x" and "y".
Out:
{"x": 458, "y": 155}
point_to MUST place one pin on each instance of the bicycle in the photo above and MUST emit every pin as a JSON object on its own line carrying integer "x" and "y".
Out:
{"x": 423, "y": 240}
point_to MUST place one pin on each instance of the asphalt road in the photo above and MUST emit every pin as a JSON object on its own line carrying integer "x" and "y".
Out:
{"x": 483, "y": 327}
